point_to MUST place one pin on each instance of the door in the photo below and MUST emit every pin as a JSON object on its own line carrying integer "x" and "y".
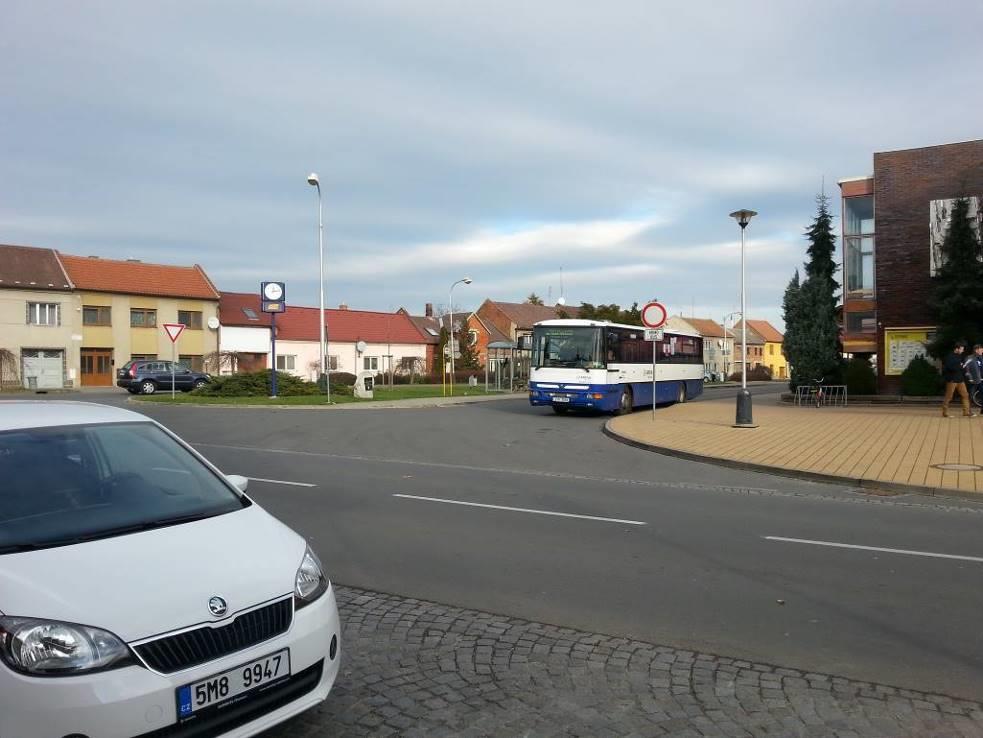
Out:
{"x": 97, "y": 367}
{"x": 43, "y": 368}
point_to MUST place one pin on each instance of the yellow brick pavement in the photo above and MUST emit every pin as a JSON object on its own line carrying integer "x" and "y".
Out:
{"x": 887, "y": 445}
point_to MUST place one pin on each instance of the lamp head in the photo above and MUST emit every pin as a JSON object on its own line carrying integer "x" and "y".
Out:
{"x": 743, "y": 217}
{"x": 466, "y": 280}
{"x": 313, "y": 181}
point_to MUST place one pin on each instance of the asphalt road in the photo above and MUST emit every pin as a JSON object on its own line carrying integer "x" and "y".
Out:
{"x": 648, "y": 547}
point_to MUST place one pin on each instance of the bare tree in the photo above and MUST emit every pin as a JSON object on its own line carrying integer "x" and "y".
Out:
{"x": 8, "y": 366}
{"x": 216, "y": 361}
{"x": 411, "y": 365}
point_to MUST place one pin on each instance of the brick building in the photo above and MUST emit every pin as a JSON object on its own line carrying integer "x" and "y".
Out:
{"x": 893, "y": 222}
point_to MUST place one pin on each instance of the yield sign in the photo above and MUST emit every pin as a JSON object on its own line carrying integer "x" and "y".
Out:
{"x": 174, "y": 330}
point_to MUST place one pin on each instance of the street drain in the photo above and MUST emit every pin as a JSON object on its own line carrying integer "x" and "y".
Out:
{"x": 958, "y": 467}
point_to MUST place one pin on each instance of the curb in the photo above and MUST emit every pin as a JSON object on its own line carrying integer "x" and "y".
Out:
{"x": 895, "y": 487}
{"x": 371, "y": 405}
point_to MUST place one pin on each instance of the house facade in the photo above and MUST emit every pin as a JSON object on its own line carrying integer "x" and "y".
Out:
{"x": 428, "y": 325}
{"x": 772, "y": 355}
{"x": 893, "y": 224}
{"x": 510, "y": 321}
{"x": 123, "y": 306}
{"x": 755, "y": 347}
{"x": 39, "y": 320}
{"x": 358, "y": 340}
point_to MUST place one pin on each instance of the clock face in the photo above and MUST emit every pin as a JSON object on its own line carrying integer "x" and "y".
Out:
{"x": 273, "y": 291}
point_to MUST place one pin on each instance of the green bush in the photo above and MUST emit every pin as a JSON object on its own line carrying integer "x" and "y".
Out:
{"x": 757, "y": 374}
{"x": 921, "y": 379}
{"x": 859, "y": 377}
{"x": 257, "y": 384}
{"x": 342, "y": 379}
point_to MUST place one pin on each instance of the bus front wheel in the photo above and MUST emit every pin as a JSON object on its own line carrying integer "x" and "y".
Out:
{"x": 625, "y": 403}
{"x": 681, "y": 397}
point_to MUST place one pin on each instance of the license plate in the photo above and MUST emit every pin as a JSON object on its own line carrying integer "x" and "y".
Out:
{"x": 230, "y": 684}
{"x": 560, "y": 399}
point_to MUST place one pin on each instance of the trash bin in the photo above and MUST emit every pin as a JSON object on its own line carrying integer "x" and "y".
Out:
{"x": 473, "y": 381}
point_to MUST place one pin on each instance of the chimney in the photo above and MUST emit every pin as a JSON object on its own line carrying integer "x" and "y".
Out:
{"x": 343, "y": 306}
{"x": 429, "y": 310}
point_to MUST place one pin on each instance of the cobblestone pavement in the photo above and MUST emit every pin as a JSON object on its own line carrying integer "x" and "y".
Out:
{"x": 415, "y": 668}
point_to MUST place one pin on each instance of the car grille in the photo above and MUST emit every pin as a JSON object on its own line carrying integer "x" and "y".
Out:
{"x": 194, "y": 647}
{"x": 216, "y": 721}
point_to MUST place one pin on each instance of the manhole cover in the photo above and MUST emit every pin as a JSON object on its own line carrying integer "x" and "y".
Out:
{"x": 958, "y": 467}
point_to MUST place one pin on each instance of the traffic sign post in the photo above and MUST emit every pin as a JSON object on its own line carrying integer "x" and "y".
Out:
{"x": 173, "y": 331}
{"x": 654, "y": 316}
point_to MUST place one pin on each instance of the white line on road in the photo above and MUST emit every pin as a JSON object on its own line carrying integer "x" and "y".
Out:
{"x": 903, "y": 551}
{"x": 521, "y": 509}
{"x": 282, "y": 481}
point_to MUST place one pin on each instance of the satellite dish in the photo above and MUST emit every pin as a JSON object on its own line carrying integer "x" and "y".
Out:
{"x": 361, "y": 346}
{"x": 561, "y": 301}
{"x": 213, "y": 323}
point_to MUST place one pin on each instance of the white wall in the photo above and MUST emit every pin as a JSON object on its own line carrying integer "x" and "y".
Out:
{"x": 305, "y": 354}
{"x": 247, "y": 340}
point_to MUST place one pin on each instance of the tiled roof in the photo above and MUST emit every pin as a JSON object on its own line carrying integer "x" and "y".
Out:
{"x": 766, "y": 330}
{"x": 242, "y": 309}
{"x": 752, "y": 335}
{"x": 524, "y": 314}
{"x": 708, "y": 328}
{"x": 138, "y": 278}
{"x": 301, "y": 323}
{"x": 29, "y": 268}
{"x": 493, "y": 333}
{"x": 428, "y": 326}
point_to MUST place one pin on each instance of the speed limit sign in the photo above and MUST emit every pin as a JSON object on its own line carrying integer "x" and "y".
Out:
{"x": 654, "y": 315}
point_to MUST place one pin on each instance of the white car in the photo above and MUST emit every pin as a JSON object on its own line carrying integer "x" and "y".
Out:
{"x": 142, "y": 593}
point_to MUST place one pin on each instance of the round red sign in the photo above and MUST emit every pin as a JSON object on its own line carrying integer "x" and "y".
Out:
{"x": 654, "y": 315}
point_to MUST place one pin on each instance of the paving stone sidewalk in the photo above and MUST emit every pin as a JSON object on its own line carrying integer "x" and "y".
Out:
{"x": 415, "y": 668}
{"x": 903, "y": 448}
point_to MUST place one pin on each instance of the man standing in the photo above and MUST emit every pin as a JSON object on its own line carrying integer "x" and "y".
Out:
{"x": 952, "y": 373}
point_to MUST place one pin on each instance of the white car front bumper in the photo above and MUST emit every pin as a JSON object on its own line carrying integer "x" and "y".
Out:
{"x": 135, "y": 701}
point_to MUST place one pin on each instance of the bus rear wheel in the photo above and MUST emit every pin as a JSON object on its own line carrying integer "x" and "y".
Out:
{"x": 625, "y": 403}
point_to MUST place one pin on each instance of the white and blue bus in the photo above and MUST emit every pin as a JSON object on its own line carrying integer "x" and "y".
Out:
{"x": 598, "y": 365}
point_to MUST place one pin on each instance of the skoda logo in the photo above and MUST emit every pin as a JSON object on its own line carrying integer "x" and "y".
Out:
{"x": 217, "y": 606}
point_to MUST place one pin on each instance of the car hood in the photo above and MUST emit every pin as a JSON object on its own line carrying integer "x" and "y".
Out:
{"x": 148, "y": 583}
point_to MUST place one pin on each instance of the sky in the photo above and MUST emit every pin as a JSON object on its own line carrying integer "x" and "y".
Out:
{"x": 507, "y": 141}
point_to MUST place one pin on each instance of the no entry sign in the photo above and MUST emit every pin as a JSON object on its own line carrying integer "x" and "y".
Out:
{"x": 654, "y": 315}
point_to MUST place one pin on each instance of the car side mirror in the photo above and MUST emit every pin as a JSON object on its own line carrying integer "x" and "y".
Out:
{"x": 238, "y": 481}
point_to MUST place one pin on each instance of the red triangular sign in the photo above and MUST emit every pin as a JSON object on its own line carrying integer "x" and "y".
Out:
{"x": 174, "y": 330}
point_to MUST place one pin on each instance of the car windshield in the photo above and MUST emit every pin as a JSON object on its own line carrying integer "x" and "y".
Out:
{"x": 70, "y": 484}
{"x": 578, "y": 347}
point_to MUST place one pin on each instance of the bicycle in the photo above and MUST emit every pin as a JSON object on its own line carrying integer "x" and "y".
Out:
{"x": 817, "y": 390}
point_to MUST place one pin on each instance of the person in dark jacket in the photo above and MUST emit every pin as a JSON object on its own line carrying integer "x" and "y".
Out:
{"x": 952, "y": 373}
{"x": 974, "y": 370}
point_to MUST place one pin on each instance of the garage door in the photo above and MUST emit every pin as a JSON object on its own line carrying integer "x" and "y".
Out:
{"x": 45, "y": 366}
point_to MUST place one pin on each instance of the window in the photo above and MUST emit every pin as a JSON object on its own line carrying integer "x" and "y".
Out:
{"x": 858, "y": 235}
{"x": 143, "y": 357}
{"x": 285, "y": 363}
{"x": 43, "y": 313}
{"x": 250, "y": 314}
{"x": 191, "y": 318}
{"x": 195, "y": 363}
{"x": 141, "y": 318}
{"x": 472, "y": 338}
{"x": 332, "y": 363}
{"x": 96, "y": 315}
{"x": 864, "y": 322}
{"x": 771, "y": 349}
{"x": 371, "y": 363}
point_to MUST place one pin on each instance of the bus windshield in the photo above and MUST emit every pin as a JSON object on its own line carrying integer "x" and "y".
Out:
{"x": 572, "y": 347}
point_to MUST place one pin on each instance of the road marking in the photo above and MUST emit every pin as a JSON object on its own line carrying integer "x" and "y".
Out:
{"x": 903, "y": 551}
{"x": 521, "y": 509}
{"x": 281, "y": 481}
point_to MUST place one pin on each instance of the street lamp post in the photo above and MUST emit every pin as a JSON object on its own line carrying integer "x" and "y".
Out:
{"x": 744, "y": 411}
{"x": 450, "y": 305}
{"x": 313, "y": 180}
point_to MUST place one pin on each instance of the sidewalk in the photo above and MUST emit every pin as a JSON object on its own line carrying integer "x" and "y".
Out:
{"x": 895, "y": 449}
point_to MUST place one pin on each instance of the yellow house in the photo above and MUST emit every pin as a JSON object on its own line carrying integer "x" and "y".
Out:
{"x": 773, "y": 358}
{"x": 124, "y": 306}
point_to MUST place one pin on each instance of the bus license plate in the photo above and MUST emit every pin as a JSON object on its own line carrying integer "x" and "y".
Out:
{"x": 557, "y": 398}
{"x": 232, "y": 683}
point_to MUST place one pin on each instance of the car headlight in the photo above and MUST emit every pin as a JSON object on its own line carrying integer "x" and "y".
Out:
{"x": 51, "y": 648}
{"x": 310, "y": 582}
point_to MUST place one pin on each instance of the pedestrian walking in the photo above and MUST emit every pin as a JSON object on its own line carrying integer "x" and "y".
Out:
{"x": 952, "y": 373}
{"x": 973, "y": 369}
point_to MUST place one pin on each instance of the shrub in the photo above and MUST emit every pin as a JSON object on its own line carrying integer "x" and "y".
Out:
{"x": 859, "y": 377}
{"x": 921, "y": 378}
{"x": 757, "y": 374}
{"x": 257, "y": 384}
{"x": 342, "y": 379}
